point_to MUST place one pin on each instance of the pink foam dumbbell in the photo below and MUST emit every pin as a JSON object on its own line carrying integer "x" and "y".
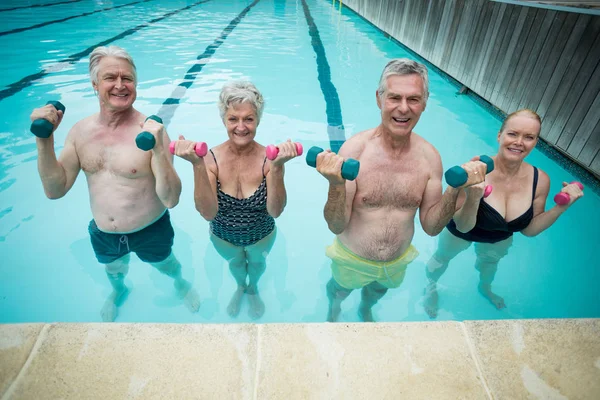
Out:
{"x": 487, "y": 191}
{"x": 563, "y": 198}
{"x": 273, "y": 150}
{"x": 201, "y": 148}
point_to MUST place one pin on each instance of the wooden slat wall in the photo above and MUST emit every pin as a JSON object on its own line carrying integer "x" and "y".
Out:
{"x": 512, "y": 56}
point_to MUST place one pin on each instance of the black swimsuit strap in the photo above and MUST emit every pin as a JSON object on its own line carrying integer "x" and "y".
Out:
{"x": 217, "y": 165}
{"x": 535, "y": 181}
{"x": 263, "y": 167}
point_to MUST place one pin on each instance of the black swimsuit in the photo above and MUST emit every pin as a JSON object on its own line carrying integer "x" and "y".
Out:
{"x": 491, "y": 227}
{"x": 242, "y": 222}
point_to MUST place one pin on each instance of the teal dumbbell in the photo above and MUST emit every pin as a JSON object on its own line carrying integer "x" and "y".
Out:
{"x": 145, "y": 140}
{"x": 456, "y": 176}
{"x": 350, "y": 167}
{"x": 42, "y": 128}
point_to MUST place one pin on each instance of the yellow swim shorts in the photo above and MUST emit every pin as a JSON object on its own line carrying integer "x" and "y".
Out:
{"x": 354, "y": 272}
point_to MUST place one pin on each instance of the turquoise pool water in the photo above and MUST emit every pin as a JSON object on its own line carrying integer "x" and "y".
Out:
{"x": 318, "y": 68}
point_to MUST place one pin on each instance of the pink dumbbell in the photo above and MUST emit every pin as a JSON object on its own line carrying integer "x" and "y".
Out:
{"x": 487, "y": 191}
{"x": 201, "y": 148}
{"x": 273, "y": 150}
{"x": 563, "y": 198}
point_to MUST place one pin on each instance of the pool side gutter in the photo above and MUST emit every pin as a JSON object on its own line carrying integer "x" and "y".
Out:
{"x": 550, "y": 358}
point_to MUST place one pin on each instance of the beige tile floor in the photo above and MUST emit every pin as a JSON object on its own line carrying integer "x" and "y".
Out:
{"x": 509, "y": 359}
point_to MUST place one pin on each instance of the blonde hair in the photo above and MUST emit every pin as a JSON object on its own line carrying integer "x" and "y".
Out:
{"x": 526, "y": 111}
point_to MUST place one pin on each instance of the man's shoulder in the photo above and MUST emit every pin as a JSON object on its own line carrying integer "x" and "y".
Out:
{"x": 86, "y": 122}
{"x": 83, "y": 125}
{"x": 424, "y": 147}
{"x": 355, "y": 145}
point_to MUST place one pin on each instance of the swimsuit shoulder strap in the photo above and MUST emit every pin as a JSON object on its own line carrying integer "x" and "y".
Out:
{"x": 215, "y": 158}
{"x": 535, "y": 181}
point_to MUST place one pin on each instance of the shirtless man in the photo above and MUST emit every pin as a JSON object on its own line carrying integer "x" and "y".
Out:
{"x": 130, "y": 190}
{"x": 400, "y": 172}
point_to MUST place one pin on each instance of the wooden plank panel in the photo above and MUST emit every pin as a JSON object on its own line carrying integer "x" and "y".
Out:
{"x": 588, "y": 76}
{"x": 479, "y": 86}
{"x": 474, "y": 51}
{"x": 587, "y": 51}
{"x": 510, "y": 55}
{"x": 452, "y": 34}
{"x": 583, "y": 134}
{"x": 552, "y": 97}
{"x": 382, "y": 15}
{"x": 464, "y": 37}
{"x": 533, "y": 62}
{"x": 575, "y": 107}
{"x": 542, "y": 59}
{"x": 405, "y": 21}
{"x": 595, "y": 165}
{"x": 416, "y": 19}
{"x": 410, "y": 28}
{"x": 460, "y": 39}
{"x": 424, "y": 45}
{"x": 485, "y": 50}
{"x": 478, "y": 14}
{"x": 440, "y": 42}
{"x": 518, "y": 56}
{"x": 419, "y": 28}
{"x": 508, "y": 25}
{"x": 590, "y": 151}
{"x": 528, "y": 37}
{"x": 398, "y": 12}
{"x": 551, "y": 55}
{"x": 433, "y": 28}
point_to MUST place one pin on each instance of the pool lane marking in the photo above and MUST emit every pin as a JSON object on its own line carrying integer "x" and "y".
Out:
{"x": 56, "y": 21}
{"x": 333, "y": 108}
{"x": 16, "y": 87}
{"x": 39, "y": 5}
{"x": 167, "y": 110}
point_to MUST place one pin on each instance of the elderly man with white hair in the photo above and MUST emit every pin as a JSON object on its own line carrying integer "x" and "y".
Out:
{"x": 130, "y": 190}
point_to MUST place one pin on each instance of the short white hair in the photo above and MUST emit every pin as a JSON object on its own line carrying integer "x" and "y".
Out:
{"x": 404, "y": 66}
{"x": 238, "y": 92}
{"x": 111, "y": 51}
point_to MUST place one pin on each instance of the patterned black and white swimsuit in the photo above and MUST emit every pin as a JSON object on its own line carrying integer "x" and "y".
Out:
{"x": 242, "y": 222}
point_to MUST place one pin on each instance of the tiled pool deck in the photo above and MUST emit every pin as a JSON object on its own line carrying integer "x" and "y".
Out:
{"x": 508, "y": 359}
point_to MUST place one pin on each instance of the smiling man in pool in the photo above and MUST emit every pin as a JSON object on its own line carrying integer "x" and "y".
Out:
{"x": 130, "y": 190}
{"x": 400, "y": 173}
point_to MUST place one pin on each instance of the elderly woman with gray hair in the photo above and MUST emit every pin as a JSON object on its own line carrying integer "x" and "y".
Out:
{"x": 231, "y": 187}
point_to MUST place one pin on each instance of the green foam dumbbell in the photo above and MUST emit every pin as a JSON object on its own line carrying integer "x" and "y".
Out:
{"x": 457, "y": 176}
{"x": 350, "y": 167}
{"x": 145, "y": 140}
{"x": 42, "y": 128}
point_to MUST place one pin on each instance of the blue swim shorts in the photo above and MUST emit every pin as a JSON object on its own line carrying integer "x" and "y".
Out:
{"x": 151, "y": 244}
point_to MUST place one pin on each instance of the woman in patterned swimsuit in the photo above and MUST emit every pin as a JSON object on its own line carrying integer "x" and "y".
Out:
{"x": 517, "y": 204}
{"x": 231, "y": 193}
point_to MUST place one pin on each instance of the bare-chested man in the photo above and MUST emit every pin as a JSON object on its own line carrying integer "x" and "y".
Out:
{"x": 400, "y": 172}
{"x": 130, "y": 190}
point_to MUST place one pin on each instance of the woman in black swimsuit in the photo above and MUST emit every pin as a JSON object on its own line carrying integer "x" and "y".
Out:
{"x": 516, "y": 204}
{"x": 231, "y": 193}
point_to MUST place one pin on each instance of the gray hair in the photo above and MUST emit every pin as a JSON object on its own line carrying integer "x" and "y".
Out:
{"x": 404, "y": 66}
{"x": 111, "y": 51}
{"x": 238, "y": 92}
